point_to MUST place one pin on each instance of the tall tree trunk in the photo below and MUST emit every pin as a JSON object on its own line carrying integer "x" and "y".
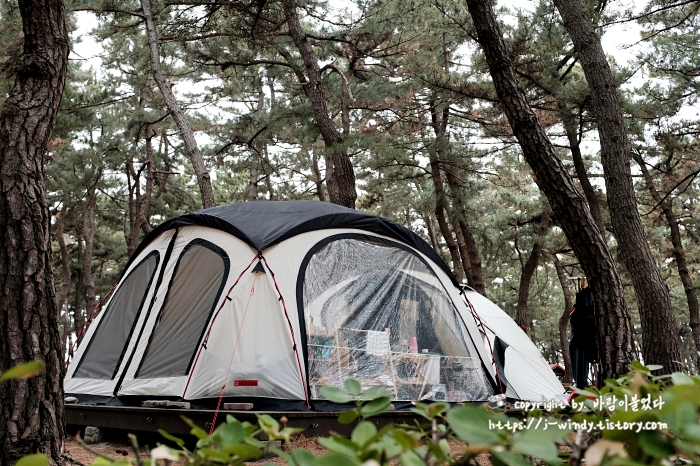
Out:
{"x": 564, "y": 319}
{"x": 614, "y": 324}
{"x": 439, "y": 122}
{"x": 258, "y": 146}
{"x": 134, "y": 190}
{"x": 522, "y": 313}
{"x": 141, "y": 203}
{"x": 475, "y": 277}
{"x": 31, "y": 410}
{"x": 203, "y": 177}
{"x": 268, "y": 178}
{"x": 341, "y": 179}
{"x": 145, "y": 204}
{"x": 441, "y": 213}
{"x": 89, "y": 239}
{"x": 575, "y": 146}
{"x": 678, "y": 253}
{"x": 79, "y": 316}
{"x": 431, "y": 232}
{"x": 318, "y": 179}
{"x": 660, "y": 339}
{"x": 253, "y": 178}
{"x": 462, "y": 248}
{"x": 62, "y": 298}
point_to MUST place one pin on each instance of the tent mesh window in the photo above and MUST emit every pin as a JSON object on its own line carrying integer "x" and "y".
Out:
{"x": 106, "y": 348}
{"x": 377, "y": 313}
{"x": 197, "y": 282}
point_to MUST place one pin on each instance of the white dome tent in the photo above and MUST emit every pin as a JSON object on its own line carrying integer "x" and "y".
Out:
{"x": 267, "y": 301}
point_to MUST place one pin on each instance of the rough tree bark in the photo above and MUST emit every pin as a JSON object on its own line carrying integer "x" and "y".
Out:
{"x": 678, "y": 252}
{"x": 31, "y": 410}
{"x": 203, "y": 177}
{"x": 660, "y": 339}
{"x": 522, "y": 317}
{"x": 614, "y": 324}
{"x": 341, "y": 179}
{"x": 564, "y": 319}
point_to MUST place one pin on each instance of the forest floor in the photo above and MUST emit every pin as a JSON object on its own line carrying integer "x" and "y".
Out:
{"x": 117, "y": 448}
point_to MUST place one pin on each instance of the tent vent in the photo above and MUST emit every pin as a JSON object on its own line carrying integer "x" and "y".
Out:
{"x": 258, "y": 268}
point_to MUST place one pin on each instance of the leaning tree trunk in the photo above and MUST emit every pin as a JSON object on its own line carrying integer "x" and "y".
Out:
{"x": 341, "y": 179}
{"x": 678, "y": 253}
{"x": 614, "y": 324}
{"x": 660, "y": 340}
{"x": 31, "y": 410}
{"x": 203, "y": 177}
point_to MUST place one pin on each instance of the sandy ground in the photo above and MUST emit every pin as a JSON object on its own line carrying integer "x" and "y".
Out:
{"x": 117, "y": 448}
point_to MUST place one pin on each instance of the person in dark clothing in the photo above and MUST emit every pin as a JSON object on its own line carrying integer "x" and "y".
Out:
{"x": 583, "y": 346}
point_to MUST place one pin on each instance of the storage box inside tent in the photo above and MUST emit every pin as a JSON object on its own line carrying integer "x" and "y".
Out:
{"x": 273, "y": 300}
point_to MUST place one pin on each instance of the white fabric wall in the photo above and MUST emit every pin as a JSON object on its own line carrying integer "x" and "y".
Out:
{"x": 529, "y": 375}
{"x": 252, "y": 324}
{"x": 239, "y": 253}
{"x": 106, "y": 387}
{"x": 264, "y": 345}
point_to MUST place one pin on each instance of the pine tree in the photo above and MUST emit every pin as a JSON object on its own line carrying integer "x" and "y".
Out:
{"x": 31, "y": 413}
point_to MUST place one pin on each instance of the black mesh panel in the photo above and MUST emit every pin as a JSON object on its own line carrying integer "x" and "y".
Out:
{"x": 105, "y": 350}
{"x": 194, "y": 290}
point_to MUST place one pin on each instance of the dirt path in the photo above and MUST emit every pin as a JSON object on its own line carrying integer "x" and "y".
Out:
{"x": 117, "y": 448}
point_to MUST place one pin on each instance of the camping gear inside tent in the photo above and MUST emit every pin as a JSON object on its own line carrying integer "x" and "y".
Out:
{"x": 268, "y": 301}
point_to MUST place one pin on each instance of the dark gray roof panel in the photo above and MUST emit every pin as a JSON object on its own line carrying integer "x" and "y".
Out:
{"x": 262, "y": 224}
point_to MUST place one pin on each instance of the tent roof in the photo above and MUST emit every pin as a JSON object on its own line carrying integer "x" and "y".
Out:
{"x": 262, "y": 224}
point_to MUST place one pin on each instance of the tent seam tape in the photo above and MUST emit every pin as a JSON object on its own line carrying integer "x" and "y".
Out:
{"x": 291, "y": 330}
{"x": 211, "y": 325}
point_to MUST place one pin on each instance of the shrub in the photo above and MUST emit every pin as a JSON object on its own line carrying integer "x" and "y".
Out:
{"x": 638, "y": 419}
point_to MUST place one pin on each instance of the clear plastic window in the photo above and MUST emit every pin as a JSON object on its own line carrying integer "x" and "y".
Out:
{"x": 377, "y": 313}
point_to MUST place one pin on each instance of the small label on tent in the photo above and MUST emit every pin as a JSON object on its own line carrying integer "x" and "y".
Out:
{"x": 245, "y": 383}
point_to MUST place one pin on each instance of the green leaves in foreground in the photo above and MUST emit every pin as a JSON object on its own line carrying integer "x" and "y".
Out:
{"x": 38, "y": 459}
{"x": 23, "y": 371}
{"x": 371, "y": 402}
{"x": 443, "y": 434}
